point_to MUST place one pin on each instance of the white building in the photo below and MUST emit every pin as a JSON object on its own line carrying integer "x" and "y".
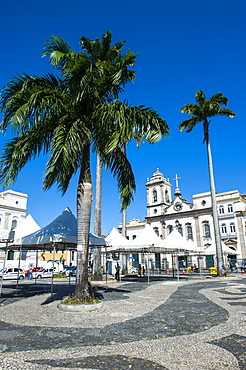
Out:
{"x": 194, "y": 220}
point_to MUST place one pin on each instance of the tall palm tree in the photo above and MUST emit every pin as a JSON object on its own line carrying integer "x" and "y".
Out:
{"x": 101, "y": 52}
{"x": 202, "y": 112}
{"x": 62, "y": 116}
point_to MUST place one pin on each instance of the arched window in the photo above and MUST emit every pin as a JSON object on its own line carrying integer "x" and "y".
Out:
{"x": 206, "y": 229}
{"x": 223, "y": 229}
{"x": 180, "y": 229}
{"x": 154, "y": 196}
{"x": 170, "y": 229}
{"x": 189, "y": 232}
{"x": 221, "y": 210}
{"x": 232, "y": 227}
{"x": 230, "y": 208}
{"x": 13, "y": 224}
{"x": 156, "y": 230}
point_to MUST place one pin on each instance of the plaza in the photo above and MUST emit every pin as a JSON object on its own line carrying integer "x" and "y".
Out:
{"x": 194, "y": 323}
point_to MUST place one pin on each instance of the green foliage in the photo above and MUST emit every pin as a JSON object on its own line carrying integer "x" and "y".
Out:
{"x": 60, "y": 275}
{"x": 74, "y": 301}
{"x": 203, "y": 110}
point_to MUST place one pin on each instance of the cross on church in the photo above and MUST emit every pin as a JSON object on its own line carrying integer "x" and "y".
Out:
{"x": 176, "y": 179}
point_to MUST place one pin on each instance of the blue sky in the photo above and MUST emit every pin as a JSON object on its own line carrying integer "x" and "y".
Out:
{"x": 182, "y": 46}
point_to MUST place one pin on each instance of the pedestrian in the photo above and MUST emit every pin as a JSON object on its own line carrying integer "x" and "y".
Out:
{"x": 236, "y": 266}
{"x": 139, "y": 270}
{"x": 30, "y": 275}
{"x": 117, "y": 271}
{"x": 143, "y": 270}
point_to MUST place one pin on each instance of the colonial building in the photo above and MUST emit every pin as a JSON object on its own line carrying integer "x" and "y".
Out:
{"x": 194, "y": 220}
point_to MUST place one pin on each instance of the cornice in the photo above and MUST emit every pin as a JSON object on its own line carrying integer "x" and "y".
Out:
{"x": 180, "y": 215}
{"x": 12, "y": 208}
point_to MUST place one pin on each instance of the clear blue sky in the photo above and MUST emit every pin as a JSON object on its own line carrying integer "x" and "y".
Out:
{"x": 182, "y": 46}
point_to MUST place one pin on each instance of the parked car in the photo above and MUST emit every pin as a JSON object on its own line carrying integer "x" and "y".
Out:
{"x": 70, "y": 271}
{"x": 12, "y": 273}
{"x": 43, "y": 273}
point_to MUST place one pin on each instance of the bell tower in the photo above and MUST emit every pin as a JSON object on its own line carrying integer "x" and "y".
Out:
{"x": 158, "y": 194}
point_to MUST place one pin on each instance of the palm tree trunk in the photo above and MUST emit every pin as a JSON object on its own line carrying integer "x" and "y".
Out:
{"x": 97, "y": 268}
{"x": 84, "y": 199}
{"x": 219, "y": 253}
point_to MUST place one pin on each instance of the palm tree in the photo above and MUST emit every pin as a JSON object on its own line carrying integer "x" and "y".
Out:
{"x": 62, "y": 117}
{"x": 101, "y": 52}
{"x": 201, "y": 112}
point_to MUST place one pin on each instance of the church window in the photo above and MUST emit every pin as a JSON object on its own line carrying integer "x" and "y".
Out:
{"x": 180, "y": 229}
{"x": 166, "y": 196}
{"x": 204, "y": 203}
{"x": 13, "y": 224}
{"x": 230, "y": 208}
{"x": 170, "y": 229}
{"x": 189, "y": 232}
{"x": 232, "y": 227}
{"x": 206, "y": 229}
{"x": 10, "y": 255}
{"x": 154, "y": 196}
{"x": 156, "y": 230}
{"x": 134, "y": 236}
{"x": 155, "y": 211}
{"x": 223, "y": 229}
{"x": 221, "y": 210}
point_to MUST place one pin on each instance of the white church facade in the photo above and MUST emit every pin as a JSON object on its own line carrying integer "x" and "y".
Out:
{"x": 194, "y": 220}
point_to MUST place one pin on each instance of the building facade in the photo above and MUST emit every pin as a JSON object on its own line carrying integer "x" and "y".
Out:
{"x": 12, "y": 212}
{"x": 194, "y": 220}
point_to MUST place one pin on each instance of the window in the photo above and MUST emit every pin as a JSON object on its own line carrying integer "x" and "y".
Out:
{"x": 203, "y": 203}
{"x": 230, "y": 208}
{"x": 189, "y": 232}
{"x": 221, "y": 210}
{"x": 134, "y": 236}
{"x": 223, "y": 229}
{"x": 206, "y": 229}
{"x": 180, "y": 230}
{"x": 156, "y": 230}
{"x": 10, "y": 255}
{"x": 154, "y": 196}
{"x": 170, "y": 229}
{"x": 232, "y": 227}
{"x": 13, "y": 224}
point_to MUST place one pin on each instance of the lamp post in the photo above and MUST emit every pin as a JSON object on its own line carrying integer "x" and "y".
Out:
{"x": 7, "y": 241}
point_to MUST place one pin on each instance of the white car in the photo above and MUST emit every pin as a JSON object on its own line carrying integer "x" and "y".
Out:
{"x": 44, "y": 273}
{"x": 12, "y": 273}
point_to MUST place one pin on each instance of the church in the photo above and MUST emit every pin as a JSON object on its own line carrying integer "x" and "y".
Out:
{"x": 194, "y": 221}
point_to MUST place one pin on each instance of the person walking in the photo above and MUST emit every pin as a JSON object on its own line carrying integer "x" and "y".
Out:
{"x": 117, "y": 272}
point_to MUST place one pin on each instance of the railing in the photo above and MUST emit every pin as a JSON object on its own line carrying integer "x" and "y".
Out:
{"x": 226, "y": 215}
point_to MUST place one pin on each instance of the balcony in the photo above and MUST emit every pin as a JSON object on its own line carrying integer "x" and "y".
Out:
{"x": 225, "y": 236}
{"x": 226, "y": 215}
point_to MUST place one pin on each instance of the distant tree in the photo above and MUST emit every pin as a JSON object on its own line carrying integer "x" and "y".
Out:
{"x": 202, "y": 112}
{"x": 62, "y": 116}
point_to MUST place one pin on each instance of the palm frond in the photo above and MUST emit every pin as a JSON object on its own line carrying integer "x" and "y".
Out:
{"x": 119, "y": 165}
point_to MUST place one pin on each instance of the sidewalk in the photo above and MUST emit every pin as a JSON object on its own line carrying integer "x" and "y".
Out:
{"x": 198, "y": 324}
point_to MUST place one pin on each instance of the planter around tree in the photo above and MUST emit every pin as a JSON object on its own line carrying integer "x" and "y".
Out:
{"x": 79, "y": 307}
